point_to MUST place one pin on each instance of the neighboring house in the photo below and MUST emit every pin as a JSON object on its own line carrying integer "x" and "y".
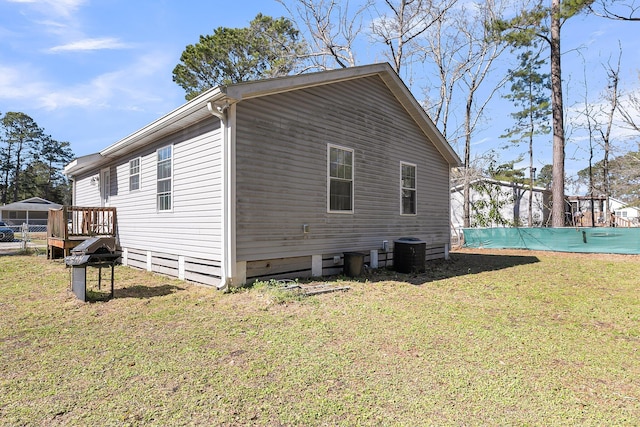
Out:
{"x": 582, "y": 206}
{"x": 275, "y": 178}
{"x": 31, "y": 211}
{"x": 626, "y": 216}
{"x": 496, "y": 203}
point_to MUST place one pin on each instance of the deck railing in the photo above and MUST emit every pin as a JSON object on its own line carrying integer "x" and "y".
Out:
{"x": 77, "y": 221}
{"x": 625, "y": 222}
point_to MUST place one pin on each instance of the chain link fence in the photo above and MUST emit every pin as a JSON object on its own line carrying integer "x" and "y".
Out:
{"x": 25, "y": 237}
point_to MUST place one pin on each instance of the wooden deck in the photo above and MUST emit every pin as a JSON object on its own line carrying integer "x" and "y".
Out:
{"x": 71, "y": 225}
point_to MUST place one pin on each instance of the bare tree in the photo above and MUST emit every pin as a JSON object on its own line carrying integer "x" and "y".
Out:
{"x": 629, "y": 109}
{"x": 613, "y": 75}
{"x": 333, "y": 27}
{"x": 463, "y": 48}
{"x": 599, "y": 118}
{"x": 590, "y": 116}
{"x": 616, "y": 9}
{"x": 405, "y": 22}
{"x": 443, "y": 46}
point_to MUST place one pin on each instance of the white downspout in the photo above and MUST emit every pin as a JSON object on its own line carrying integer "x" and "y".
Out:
{"x": 221, "y": 111}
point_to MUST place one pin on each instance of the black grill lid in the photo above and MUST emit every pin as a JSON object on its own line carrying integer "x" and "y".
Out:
{"x": 95, "y": 245}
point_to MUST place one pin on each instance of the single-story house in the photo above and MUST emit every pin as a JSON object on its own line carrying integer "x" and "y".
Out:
{"x": 32, "y": 211}
{"x": 495, "y": 203}
{"x": 626, "y": 216}
{"x": 602, "y": 208}
{"x": 276, "y": 178}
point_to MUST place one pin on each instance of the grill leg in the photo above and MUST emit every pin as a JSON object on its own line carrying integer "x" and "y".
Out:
{"x": 79, "y": 282}
{"x": 112, "y": 269}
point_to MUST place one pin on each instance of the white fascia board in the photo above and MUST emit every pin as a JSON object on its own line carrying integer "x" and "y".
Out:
{"x": 258, "y": 88}
{"x": 70, "y": 167}
{"x": 83, "y": 163}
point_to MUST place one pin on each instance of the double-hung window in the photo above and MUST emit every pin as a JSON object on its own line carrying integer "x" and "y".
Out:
{"x": 134, "y": 174}
{"x": 340, "y": 179}
{"x": 164, "y": 177}
{"x": 408, "y": 189}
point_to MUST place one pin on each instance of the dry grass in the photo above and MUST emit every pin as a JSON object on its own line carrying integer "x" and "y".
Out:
{"x": 515, "y": 338}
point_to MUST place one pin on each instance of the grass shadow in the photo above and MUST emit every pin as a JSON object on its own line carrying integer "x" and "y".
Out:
{"x": 458, "y": 264}
{"x": 140, "y": 291}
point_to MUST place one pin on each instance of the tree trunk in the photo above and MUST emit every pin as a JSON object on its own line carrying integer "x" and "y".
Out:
{"x": 531, "y": 182}
{"x": 467, "y": 162}
{"x": 16, "y": 172}
{"x": 557, "y": 187}
{"x": 531, "y": 131}
{"x": 5, "y": 179}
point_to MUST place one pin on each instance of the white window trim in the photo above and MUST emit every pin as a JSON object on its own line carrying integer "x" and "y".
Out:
{"x": 139, "y": 159}
{"x": 415, "y": 189}
{"x": 353, "y": 179}
{"x": 158, "y": 210}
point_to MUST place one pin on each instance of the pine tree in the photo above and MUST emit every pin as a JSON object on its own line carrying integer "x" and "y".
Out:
{"x": 545, "y": 23}
{"x": 529, "y": 92}
{"x": 31, "y": 162}
{"x": 267, "y": 48}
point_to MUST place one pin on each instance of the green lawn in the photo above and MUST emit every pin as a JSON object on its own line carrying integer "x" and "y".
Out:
{"x": 517, "y": 338}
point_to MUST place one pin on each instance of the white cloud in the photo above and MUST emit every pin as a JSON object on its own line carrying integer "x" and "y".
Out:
{"x": 136, "y": 87}
{"x": 52, "y": 17}
{"x": 19, "y": 83}
{"x": 90, "y": 44}
{"x": 56, "y": 28}
{"x": 481, "y": 141}
{"x": 61, "y": 8}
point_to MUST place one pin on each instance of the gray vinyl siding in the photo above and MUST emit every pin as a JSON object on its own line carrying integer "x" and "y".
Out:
{"x": 281, "y": 179}
{"x": 193, "y": 227}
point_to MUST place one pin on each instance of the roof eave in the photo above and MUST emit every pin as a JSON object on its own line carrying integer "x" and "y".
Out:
{"x": 248, "y": 90}
{"x": 196, "y": 110}
{"x": 417, "y": 112}
{"x": 181, "y": 117}
{"x": 81, "y": 164}
{"x": 258, "y": 88}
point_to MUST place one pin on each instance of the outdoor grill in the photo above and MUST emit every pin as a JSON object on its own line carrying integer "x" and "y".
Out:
{"x": 94, "y": 252}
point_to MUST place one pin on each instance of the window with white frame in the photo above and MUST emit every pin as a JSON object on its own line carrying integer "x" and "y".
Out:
{"x": 164, "y": 177}
{"x": 134, "y": 174}
{"x": 340, "y": 179}
{"x": 408, "y": 189}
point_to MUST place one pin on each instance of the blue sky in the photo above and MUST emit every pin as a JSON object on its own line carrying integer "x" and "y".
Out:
{"x": 93, "y": 71}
